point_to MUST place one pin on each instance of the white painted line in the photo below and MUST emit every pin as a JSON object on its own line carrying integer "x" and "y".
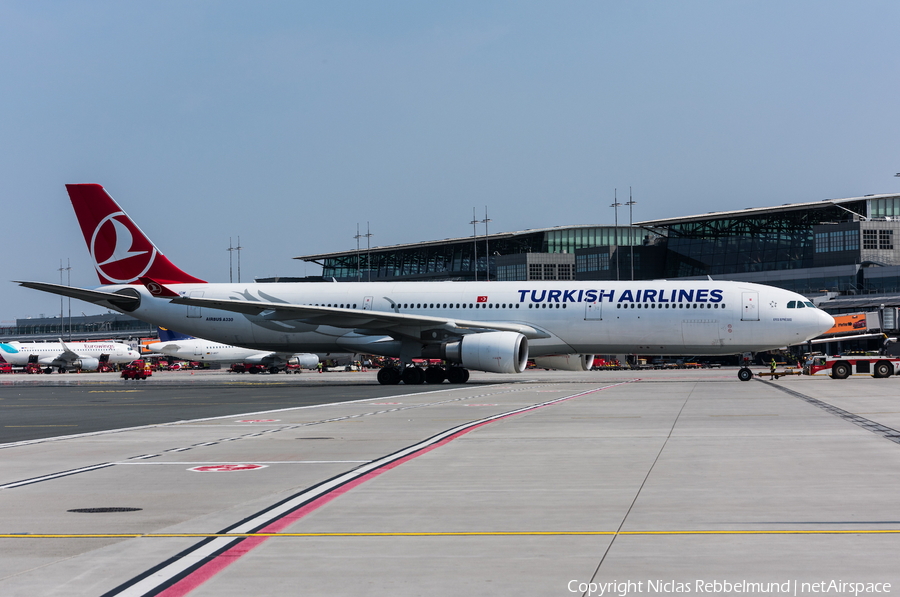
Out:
{"x": 251, "y": 462}
{"x": 282, "y": 427}
{"x": 55, "y": 475}
{"x": 174, "y": 423}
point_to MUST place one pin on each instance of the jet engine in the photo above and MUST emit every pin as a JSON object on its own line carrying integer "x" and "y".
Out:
{"x": 305, "y": 360}
{"x": 87, "y": 364}
{"x": 497, "y": 352}
{"x": 566, "y": 362}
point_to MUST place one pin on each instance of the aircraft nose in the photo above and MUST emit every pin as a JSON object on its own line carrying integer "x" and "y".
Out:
{"x": 825, "y": 321}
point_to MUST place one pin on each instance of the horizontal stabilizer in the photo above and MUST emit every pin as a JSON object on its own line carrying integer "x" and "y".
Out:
{"x": 98, "y": 297}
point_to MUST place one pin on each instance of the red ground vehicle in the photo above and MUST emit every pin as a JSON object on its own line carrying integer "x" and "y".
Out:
{"x": 33, "y": 368}
{"x": 136, "y": 371}
{"x": 247, "y": 368}
{"x": 843, "y": 366}
{"x": 5, "y": 368}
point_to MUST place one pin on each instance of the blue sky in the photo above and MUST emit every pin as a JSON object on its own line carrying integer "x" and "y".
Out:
{"x": 287, "y": 123}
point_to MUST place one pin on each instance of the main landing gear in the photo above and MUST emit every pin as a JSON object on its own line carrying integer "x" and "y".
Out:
{"x": 412, "y": 376}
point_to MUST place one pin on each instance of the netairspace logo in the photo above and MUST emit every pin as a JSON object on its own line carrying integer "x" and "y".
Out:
{"x": 720, "y": 587}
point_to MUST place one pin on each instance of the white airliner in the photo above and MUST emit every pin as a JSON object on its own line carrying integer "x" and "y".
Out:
{"x": 189, "y": 348}
{"x": 64, "y": 356}
{"x": 488, "y": 326}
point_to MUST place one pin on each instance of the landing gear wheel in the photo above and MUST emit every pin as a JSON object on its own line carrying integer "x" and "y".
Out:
{"x": 745, "y": 374}
{"x": 435, "y": 375}
{"x": 48, "y": 370}
{"x": 413, "y": 376}
{"x": 840, "y": 371}
{"x": 388, "y": 376}
{"x": 457, "y": 375}
{"x": 273, "y": 370}
{"x": 883, "y": 369}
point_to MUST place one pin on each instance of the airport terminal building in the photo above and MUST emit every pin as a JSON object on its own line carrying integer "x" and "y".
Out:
{"x": 845, "y": 246}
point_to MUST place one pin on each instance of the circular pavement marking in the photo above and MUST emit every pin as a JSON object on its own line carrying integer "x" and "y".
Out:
{"x": 226, "y": 468}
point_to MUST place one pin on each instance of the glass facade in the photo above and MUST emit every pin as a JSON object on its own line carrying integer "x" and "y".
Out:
{"x": 837, "y": 240}
{"x": 753, "y": 243}
{"x": 456, "y": 259}
{"x": 818, "y": 284}
{"x": 886, "y": 207}
{"x": 568, "y": 240}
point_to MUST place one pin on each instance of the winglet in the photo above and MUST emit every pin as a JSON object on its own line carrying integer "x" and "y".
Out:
{"x": 157, "y": 289}
{"x": 67, "y": 352}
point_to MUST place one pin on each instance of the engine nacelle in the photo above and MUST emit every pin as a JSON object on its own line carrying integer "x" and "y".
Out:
{"x": 87, "y": 364}
{"x": 497, "y": 352}
{"x": 566, "y": 362}
{"x": 305, "y": 360}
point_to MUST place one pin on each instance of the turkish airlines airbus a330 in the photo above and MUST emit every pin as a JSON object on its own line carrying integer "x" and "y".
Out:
{"x": 487, "y": 326}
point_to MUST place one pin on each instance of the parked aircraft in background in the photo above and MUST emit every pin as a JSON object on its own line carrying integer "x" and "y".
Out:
{"x": 190, "y": 348}
{"x": 488, "y": 326}
{"x": 64, "y": 356}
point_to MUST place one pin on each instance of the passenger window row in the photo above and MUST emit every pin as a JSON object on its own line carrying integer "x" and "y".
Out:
{"x": 458, "y": 306}
{"x": 791, "y": 305}
{"x": 435, "y": 305}
{"x": 670, "y": 306}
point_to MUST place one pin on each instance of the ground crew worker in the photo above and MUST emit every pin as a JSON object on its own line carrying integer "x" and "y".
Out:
{"x": 772, "y": 365}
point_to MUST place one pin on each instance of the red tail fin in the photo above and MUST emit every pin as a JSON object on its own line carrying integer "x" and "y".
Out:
{"x": 121, "y": 252}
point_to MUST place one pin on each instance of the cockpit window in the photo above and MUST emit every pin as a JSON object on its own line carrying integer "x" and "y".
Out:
{"x": 809, "y": 304}
{"x": 792, "y": 305}
{"x": 800, "y": 304}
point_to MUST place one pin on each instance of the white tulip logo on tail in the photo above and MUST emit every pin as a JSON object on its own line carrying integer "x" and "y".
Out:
{"x": 116, "y": 257}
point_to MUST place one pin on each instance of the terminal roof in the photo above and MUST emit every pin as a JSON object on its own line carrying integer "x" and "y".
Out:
{"x": 754, "y": 211}
{"x": 446, "y": 241}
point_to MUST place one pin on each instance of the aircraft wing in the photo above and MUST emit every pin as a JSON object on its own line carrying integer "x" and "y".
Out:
{"x": 68, "y": 355}
{"x": 382, "y": 321}
{"x": 98, "y": 297}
